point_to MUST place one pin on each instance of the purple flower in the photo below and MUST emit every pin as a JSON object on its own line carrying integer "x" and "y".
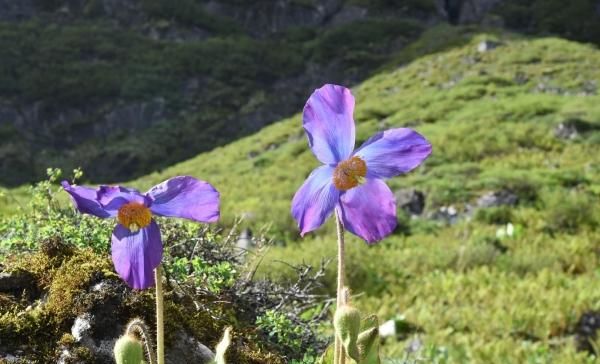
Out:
{"x": 352, "y": 182}
{"x": 136, "y": 242}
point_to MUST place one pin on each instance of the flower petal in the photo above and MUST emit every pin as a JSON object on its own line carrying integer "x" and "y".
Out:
{"x": 393, "y": 152}
{"x": 136, "y": 255}
{"x": 185, "y": 197}
{"x": 111, "y": 198}
{"x": 369, "y": 210}
{"x": 328, "y": 123}
{"x": 315, "y": 200}
{"x": 85, "y": 200}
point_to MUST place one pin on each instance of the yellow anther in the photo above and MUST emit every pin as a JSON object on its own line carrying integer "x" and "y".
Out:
{"x": 134, "y": 216}
{"x": 349, "y": 173}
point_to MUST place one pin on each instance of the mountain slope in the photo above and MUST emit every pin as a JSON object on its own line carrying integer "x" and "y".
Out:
{"x": 521, "y": 119}
{"x": 490, "y": 117}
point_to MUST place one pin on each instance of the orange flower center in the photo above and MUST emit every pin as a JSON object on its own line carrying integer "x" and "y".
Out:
{"x": 134, "y": 216}
{"x": 349, "y": 173}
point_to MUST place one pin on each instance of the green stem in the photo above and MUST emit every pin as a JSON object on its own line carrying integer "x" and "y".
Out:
{"x": 138, "y": 326}
{"x": 339, "y": 357}
{"x": 160, "y": 323}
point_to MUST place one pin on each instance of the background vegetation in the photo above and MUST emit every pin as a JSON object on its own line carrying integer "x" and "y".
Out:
{"x": 521, "y": 117}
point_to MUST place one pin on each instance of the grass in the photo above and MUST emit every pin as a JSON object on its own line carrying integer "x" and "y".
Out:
{"x": 491, "y": 118}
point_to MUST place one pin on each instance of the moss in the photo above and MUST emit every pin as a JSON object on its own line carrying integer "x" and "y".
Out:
{"x": 71, "y": 280}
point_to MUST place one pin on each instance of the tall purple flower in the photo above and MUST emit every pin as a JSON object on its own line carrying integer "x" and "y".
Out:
{"x": 352, "y": 182}
{"x": 136, "y": 242}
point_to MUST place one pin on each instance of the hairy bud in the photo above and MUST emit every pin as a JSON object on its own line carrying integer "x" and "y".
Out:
{"x": 128, "y": 350}
{"x": 347, "y": 327}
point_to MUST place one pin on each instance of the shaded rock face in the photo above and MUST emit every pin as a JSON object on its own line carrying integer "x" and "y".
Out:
{"x": 465, "y": 11}
{"x": 11, "y": 10}
{"x": 275, "y": 16}
{"x": 41, "y": 119}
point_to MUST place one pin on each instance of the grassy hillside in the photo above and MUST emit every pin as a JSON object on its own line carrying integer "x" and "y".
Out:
{"x": 491, "y": 117}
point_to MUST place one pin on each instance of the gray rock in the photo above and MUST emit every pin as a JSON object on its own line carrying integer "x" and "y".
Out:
{"x": 262, "y": 17}
{"x": 11, "y": 10}
{"x": 132, "y": 117}
{"x": 465, "y": 11}
{"x": 348, "y": 14}
{"x": 410, "y": 200}
{"x": 446, "y": 214}
{"x": 487, "y": 45}
{"x": 186, "y": 349}
{"x": 497, "y": 198}
{"x": 572, "y": 129}
{"x": 245, "y": 242}
{"x": 475, "y": 11}
{"x": 82, "y": 326}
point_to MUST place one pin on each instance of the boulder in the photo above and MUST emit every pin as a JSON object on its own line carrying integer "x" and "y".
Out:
{"x": 487, "y": 45}
{"x": 410, "y": 200}
{"x": 571, "y": 129}
{"x": 446, "y": 214}
{"x": 586, "y": 331}
{"x": 498, "y": 198}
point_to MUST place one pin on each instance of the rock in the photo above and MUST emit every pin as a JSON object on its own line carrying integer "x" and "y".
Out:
{"x": 410, "y": 200}
{"x": 487, "y": 45}
{"x": 186, "y": 349}
{"x": 15, "y": 282}
{"x": 498, "y": 198}
{"x": 463, "y": 11}
{"x": 397, "y": 328}
{"x": 82, "y": 326}
{"x": 132, "y": 117}
{"x": 245, "y": 242}
{"x": 11, "y": 10}
{"x": 348, "y": 14}
{"x": 571, "y": 129}
{"x": 262, "y": 17}
{"x": 447, "y": 214}
{"x": 586, "y": 331}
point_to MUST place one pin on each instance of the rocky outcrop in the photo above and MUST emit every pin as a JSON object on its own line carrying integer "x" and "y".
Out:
{"x": 465, "y": 11}
{"x": 261, "y": 17}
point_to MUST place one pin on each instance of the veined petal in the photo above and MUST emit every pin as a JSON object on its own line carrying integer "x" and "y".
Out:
{"x": 328, "y": 123}
{"x": 111, "y": 198}
{"x": 369, "y": 211}
{"x": 85, "y": 200}
{"x": 185, "y": 197}
{"x": 136, "y": 255}
{"x": 315, "y": 200}
{"x": 393, "y": 152}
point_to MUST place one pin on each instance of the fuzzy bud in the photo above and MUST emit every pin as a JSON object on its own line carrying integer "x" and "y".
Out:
{"x": 128, "y": 350}
{"x": 347, "y": 327}
{"x": 368, "y": 346}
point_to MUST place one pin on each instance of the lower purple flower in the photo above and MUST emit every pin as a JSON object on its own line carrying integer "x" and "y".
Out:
{"x": 136, "y": 242}
{"x": 352, "y": 182}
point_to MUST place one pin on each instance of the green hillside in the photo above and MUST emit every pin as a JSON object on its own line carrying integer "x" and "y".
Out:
{"x": 492, "y": 118}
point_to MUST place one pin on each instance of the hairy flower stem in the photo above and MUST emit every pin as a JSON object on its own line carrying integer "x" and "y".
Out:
{"x": 137, "y": 326}
{"x": 338, "y": 355}
{"x": 160, "y": 323}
